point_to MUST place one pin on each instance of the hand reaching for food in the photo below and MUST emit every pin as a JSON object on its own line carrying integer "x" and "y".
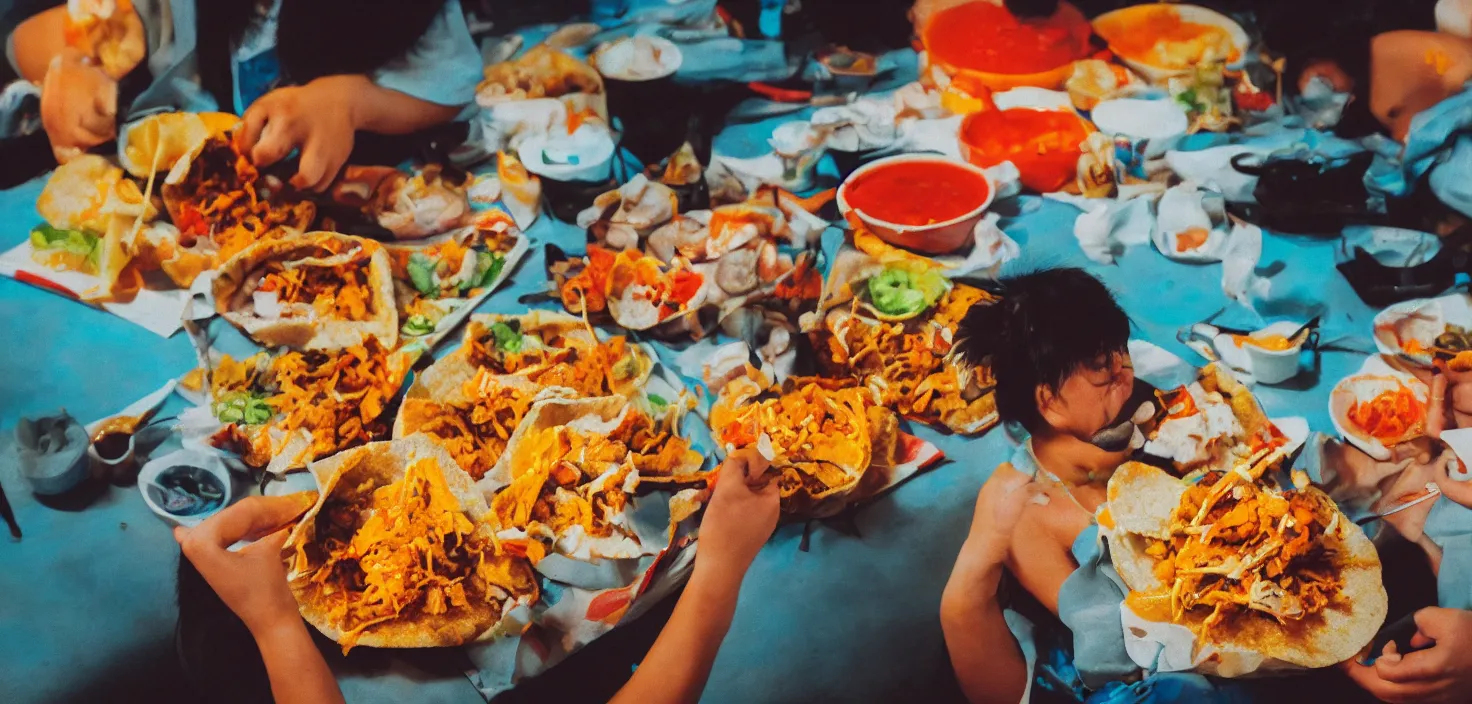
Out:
{"x": 742, "y": 514}
{"x": 317, "y": 118}
{"x": 1439, "y": 674}
{"x": 252, "y": 580}
{"x": 79, "y": 105}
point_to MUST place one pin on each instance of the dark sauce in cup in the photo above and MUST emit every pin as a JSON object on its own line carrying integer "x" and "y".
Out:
{"x": 182, "y": 490}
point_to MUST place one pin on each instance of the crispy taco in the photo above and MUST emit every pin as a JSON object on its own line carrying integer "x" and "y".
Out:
{"x": 90, "y": 207}
{"x": 1212, "y": 423}
{"x": 399, "y": 553}
{"x": 439, "y": 277}
{"x": 158, "y": 142}
{"x": 1276, "y": 578}
{"x": 284, "y": 411}
{"x": 222, "y": 204}
{"x": 566, "y": 480}
{"x": 315, "y": 291}
{"x": 829, "y": 444}
{"x": 896, "y": 339}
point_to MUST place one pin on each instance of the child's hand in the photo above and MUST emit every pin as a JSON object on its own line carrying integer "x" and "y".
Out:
{"x": 742, "y": 513}
{"x": 317, "y": 118}
{"x": 1437, "y": 675}
{"x": 252, "y": 580}
{"x": 79, "y": 105}
{"x": 999, "y": 506}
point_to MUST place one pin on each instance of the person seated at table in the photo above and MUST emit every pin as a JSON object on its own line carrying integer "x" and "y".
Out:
{"x": 1057, "y": 342}
{"x": 741, "y": 515}
{"x": 305, "y": 75}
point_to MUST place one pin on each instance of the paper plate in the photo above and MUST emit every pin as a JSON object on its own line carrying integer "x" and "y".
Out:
{"x": 1421, "y": 320}
{"x": 1374, "y": 378}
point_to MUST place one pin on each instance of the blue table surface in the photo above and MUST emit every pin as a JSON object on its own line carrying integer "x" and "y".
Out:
{"x": 854, "y": 618}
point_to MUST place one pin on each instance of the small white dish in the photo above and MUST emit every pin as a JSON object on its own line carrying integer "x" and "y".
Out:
{"x": 164, "y": 475}
{"x": 1421, "y": 320}
{"x": 1159, "y": 124}
{"x": 1265, "y": 365}
{"x": 1374, "y": 378}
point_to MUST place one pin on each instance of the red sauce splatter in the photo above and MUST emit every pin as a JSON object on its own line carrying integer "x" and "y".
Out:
{"x": 984, "y": 37}
{"x": 917, "y": 192}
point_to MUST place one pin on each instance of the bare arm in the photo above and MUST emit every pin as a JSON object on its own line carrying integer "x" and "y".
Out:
{"x": 386, "y": 111}
{"x": 986, "y": 658}
{"x": 679, "y": 663}
{"x": 297, "y": 671}
{"x": 988, "y": 663}
{"x": 1048, "y": 562}
{"x": 740, "y": 517}
{"x": 252, "y": 582}
{"x": 38, "y": 40}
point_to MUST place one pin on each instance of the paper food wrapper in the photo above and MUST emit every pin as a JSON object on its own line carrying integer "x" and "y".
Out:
{"x": 1191, "y": 225}
{"x": 1169, "y": 647}
{"x": 1240, "y": 256}
{"x": 1108, "y": 227}
{"x": 158, "y": 311}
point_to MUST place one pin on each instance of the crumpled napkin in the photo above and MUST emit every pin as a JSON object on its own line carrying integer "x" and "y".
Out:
{"x": 52, "y": 451}
{"x": 1191, "y": 224}
{"x": 992, "y": 250}
{"x": 863, "y": 125}
{"x": 1107, "y": 227}
{"x": 1240, "y": 280}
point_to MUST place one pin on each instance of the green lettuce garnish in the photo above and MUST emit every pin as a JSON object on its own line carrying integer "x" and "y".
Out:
{"x": 487, "y": 266}
{"x": 244, "y": 407}
{"x": 418, "y": 325}
{"x": 421, "y": 274}
{"x": 508, "y": 339}
{"x": 45, "y": 237}
{"x": 901, "y": 291}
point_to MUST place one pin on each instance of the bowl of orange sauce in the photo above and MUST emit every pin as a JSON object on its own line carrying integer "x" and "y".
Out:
{"x": 985, "y": 42}
{"x": 1044, "y": 145}
{"x": 1159, "y": 41}
{"x": 921, "y": 202}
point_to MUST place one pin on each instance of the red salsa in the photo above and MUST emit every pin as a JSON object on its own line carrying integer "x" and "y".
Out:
{"x": 1044, "y": 145}
{"x": 917, "y": 192}
{"x": 981, "y": 36}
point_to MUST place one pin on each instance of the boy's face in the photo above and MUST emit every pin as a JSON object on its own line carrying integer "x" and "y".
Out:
{"x": 1091, "y": 399}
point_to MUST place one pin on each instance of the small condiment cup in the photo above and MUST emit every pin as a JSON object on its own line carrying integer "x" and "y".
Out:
{"x": 118, "y": 465}
{"x": 1275, "y": 366}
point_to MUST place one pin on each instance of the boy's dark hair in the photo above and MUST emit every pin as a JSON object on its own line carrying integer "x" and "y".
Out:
{"x": 1048, "y": 325}
{"x": 314, "y": 38}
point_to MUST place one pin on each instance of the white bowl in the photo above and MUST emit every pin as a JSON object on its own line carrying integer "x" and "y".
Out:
{"x": 1162, "y": 122}
{"x": 610, "y": 57}
{"x": 1421, "y": 319}
{"x": 1188, "y": 13}
{"x": 935, "y": 238}
{"x": 210, "y": 464}
{"x": 1267, "y": 366}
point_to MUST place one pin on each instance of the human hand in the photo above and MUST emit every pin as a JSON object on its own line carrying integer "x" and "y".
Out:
{"x": 999, "y": 506}
{"x": 742, "y": 513}
{"x": 252, "y": 580}
{"x": 79, "y": 105}
{"x": 319, "y": 118}
{"x": 1441, "y": 674}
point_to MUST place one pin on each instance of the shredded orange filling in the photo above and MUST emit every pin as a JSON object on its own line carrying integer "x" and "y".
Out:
{"x": 820, "y": 436}
{"x": 406, "y": 549}
{"x": 1391, "y": 415}
{"x": 602, "y": 369}
{"x": 1240, "y": 550}
{"x": 339, "y": 292}
{"x": 223, "y": 201}
{"x": 336, "y": 396}
{"x": 475, "y": 434}
{"x": 908, "y": 364}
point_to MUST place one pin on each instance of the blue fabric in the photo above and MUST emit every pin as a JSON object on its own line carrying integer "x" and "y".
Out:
{"x": 443, "y": 67}
{"x": 1435, "y": 141}
{"x": 1449, "y": 525}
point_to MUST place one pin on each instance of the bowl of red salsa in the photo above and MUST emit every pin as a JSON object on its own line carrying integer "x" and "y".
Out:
{"x": 1044, "y": 145}
{"x": 988, "y": 42}
{"x": 922, "y": 202}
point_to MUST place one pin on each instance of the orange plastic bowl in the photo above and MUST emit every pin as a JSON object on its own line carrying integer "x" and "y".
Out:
{"x": 1044, "y": 145}
{"x": 978, "y": 22}
{"x": 965, "y": 208}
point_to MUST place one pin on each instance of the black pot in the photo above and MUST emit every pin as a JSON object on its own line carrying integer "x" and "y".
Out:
{"x": 565, "y": 199}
